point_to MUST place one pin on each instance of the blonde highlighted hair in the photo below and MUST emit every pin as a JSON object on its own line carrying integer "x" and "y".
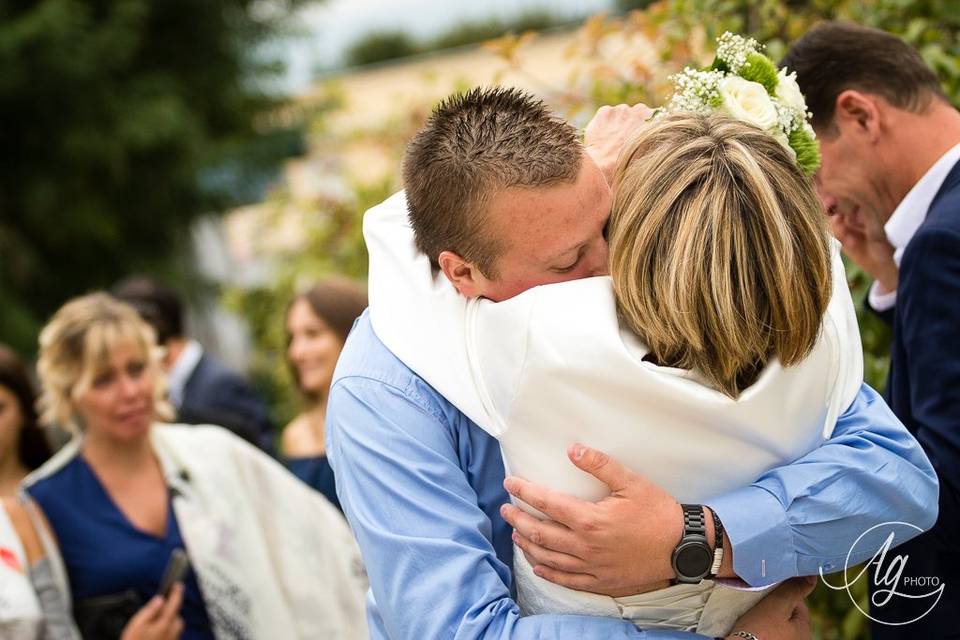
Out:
{"x": 719, "y": 251}
{"x": 76, "y": 345}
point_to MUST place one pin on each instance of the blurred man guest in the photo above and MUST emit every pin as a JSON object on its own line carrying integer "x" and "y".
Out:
{"x": 201, "y": 388}
{"x": 890, "y": 179}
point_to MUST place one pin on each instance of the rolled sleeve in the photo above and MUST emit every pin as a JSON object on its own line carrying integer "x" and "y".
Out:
{"x": 760, "y": 535}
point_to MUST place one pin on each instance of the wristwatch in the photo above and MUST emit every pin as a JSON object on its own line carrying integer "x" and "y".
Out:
{"x": 693, "y": 557}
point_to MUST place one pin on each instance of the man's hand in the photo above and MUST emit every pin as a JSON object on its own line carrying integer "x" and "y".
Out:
{"x": 608, "y": 132}
{"x": 865, "y": 242}
{"x": 782, "y": 614}
{"x": 620, "y": 545}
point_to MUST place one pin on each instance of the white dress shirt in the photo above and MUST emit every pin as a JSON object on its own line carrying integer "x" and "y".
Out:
{"x": 909, "y": 215}
{"x": 181, "y": 371}
{"x": 552, "y": 366}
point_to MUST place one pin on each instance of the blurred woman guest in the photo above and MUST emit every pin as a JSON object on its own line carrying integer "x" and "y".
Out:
{"x": 25, "y": 573}
{"x": 23, "y": 446}
{"x": 318, "y": 322}
{"x": 269, "y": 558}
{"x": 32, "y": 605}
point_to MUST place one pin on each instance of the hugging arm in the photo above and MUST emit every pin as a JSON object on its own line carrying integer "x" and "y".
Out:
{"x": 793, "y": 520}
{"x": 804, "y": 516}
{"x": 426, "y": 542}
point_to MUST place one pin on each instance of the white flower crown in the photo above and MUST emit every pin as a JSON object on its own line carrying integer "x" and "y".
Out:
{"x": 745, "y": 84}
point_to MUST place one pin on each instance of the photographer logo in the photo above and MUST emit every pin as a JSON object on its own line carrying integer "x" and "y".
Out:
{"x": 889, "y": 582}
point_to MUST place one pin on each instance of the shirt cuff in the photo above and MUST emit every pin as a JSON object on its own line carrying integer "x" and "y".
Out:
{"x": 760, "y": 536}
{"x": 881, "y": 301}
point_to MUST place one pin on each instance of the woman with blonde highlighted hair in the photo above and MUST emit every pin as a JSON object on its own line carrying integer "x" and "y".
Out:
{"x": 719, "y": 250}
{"x": 723, "y": 344}
{"x": 129, "y": 494}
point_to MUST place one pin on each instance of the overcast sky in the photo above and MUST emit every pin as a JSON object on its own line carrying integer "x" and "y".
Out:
{"x": 330, "y": 27}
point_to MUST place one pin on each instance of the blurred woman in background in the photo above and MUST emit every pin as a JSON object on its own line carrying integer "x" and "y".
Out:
{"x": 23, "y": 446}
{"x": 24, "y": 569}
{"x": 268, "y": 557}
{"x": 317, "y": 324}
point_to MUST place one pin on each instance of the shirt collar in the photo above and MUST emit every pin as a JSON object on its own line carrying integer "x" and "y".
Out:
{"x": 181, "y": 371}
{"x": 912, "y": 210}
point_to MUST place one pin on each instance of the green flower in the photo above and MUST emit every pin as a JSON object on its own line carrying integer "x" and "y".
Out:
{"x": 807, "y": 148}
{"x": 719, "y": 65}
{"x": 759, "y": 68}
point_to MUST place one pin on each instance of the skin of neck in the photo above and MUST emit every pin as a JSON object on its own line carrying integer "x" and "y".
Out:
{"x": 914, "y": 143}
{"x": 104, "y": 452}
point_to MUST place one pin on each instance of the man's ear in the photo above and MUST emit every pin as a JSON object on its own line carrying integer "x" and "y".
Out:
{"x": 465, "y": 276}
{"x": 860, "y": 111}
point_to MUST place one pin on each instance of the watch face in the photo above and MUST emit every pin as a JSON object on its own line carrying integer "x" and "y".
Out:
{"x": 693, "y": 560}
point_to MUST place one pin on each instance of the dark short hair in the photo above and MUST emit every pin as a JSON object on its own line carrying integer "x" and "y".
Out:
{"x": 156, "y": 303}
{"x": 474, "y": 145}
{"x": 836, "y": 56}
{"x": 33, "y": 449}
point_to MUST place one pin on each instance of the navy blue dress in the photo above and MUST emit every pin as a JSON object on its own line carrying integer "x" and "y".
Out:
{"x": 104, "y": 553}
{"x": 316, "y": 472}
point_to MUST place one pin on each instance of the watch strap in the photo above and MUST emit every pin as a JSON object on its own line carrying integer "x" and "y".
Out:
{"x": 694, "y": 520}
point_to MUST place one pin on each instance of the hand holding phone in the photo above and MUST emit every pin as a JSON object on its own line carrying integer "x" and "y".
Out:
{"x": 175, "y": 571}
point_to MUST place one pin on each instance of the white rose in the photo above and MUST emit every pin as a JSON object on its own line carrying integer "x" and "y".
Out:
{"x": 748, "y": 101}
{"x": 788, "y": 92}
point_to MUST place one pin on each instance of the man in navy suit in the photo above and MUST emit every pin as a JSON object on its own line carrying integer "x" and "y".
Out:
{"x": 890, "y": 179}
{"x": 201, "y": 388}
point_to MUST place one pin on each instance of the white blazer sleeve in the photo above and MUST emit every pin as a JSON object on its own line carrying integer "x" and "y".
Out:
{"x": 843, "y": 333}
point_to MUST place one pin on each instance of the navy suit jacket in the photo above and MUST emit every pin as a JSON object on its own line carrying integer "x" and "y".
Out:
{"x": 214, "y": 394}
{"x": 924, "y": 385}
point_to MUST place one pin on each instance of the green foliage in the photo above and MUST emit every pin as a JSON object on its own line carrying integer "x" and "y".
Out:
{"x": 380, "y": 46}
{"x": 808, "y": 150}
{"x": 333, "y": 243}
{"x": 473, "y": 32}
{"x": 632, "y": 5}
{"x": 111, "y": 112}
{"x": 389, "y": 45}
{"x": 760, "y": 69}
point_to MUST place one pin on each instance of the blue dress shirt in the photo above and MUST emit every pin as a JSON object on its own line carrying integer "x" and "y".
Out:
{"x": 421, "y": 485}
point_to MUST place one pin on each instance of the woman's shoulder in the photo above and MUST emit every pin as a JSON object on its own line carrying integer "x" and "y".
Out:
{"x": 55, "y": 475}
{"x": 24, "y": 528}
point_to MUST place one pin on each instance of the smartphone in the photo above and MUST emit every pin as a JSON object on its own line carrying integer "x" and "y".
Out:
{"x": 175, "y": 571}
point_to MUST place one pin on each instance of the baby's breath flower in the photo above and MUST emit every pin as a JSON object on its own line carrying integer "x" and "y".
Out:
{"x": 697, "y": 91}
{"x": 733, "y": 50}
{"x": 747, "y": 85}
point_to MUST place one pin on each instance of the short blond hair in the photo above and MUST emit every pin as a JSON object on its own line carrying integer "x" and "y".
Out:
{"x": 77, "y": 342}
{"x": 719, "y": 250}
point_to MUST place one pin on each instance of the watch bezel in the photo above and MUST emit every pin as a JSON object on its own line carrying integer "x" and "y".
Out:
{"x": 689, "y": 543}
